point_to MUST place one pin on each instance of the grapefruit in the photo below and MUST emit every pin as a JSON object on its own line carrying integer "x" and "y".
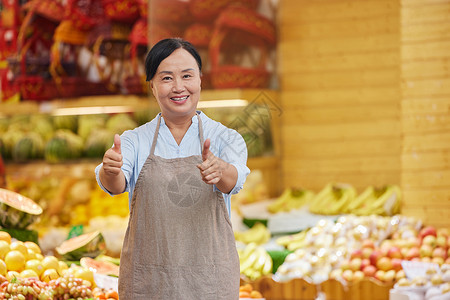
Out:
{"x": 28, "y": 274}
{"x": 33, "y": 246}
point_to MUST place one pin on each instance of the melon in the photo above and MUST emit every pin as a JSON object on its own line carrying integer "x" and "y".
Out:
{"x": 17, "y": 211}
{"x": 100, "y": 267}
{"x": 89, "y": 244}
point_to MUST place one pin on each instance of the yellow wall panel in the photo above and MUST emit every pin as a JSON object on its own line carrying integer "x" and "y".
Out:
{"x": 426, "y": 32}
{"x": 424, "y": 69}
{"x": 426, "y": 123}
{"x": 423, "y": 12}
{"x": 426, "y": 142}
{"x": 428, "y": 50}
{"x": 426, "y": 87}
{"x": 426, "y": 105}
{"x": 423, "y": 161}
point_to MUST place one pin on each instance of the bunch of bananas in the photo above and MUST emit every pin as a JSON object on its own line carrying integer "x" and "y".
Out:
{"x": 254, "y": 261}
{"x": 290, "y": 199}
{"x": 333, "y": 199}
{"x": 294, "y": 241}
{"x": 384, "y": 201}
{"x": 258, "y": 234}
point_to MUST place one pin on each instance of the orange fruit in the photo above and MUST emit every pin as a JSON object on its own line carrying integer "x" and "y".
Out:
{"x": 4, "y": 236}
{"x": 244, "y": 294}
{"x": 15, "y": 261}
{"x": 246, "y": 288}
{"x": 112, "y": 294}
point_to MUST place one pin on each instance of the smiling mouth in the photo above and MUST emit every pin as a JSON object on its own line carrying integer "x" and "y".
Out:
{"x": 179, "y": 99}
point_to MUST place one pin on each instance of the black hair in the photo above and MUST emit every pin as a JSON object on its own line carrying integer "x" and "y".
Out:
{"x": 162, "y": 49}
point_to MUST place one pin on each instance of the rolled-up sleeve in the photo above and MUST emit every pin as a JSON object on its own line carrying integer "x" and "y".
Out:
{"x": 234, "y": 151}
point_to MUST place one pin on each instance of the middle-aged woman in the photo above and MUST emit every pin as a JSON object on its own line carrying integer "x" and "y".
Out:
{"x": 180, "y": 170}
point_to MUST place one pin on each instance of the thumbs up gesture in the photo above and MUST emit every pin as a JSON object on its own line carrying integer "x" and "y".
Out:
{"x": 211, "y": 168}
{"x": 112, "y": 160}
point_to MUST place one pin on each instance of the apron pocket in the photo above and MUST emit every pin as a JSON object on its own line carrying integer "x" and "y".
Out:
{"x": 170, "y": 282}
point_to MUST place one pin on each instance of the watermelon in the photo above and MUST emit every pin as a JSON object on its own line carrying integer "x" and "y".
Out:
{"x": 42, "y": 125}
{"x": 62, "y": 146}
{"x": 100, "y": 267}
{"x": 120, "y": 122}
{"x": 66, "y": 122}
{"x": 17, "y": 211}
{"x": 89, "y": 244}
{"x": 89, "y": 123}
{"x": 30, "y": 146}
{"x": 98, "y": 142}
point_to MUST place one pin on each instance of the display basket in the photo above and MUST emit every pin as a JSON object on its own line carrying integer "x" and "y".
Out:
{"x": 208, "y": 10}
{"x": 121, "y": 10}
{"x": 239, "y": 29}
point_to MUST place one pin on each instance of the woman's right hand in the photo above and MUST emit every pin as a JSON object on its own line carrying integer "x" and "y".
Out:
{"x": 113, "y": 160}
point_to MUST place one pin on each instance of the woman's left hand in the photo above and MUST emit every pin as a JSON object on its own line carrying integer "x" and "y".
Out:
{"x": 212, "y": 167}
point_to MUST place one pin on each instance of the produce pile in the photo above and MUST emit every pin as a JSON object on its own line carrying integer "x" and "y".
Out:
{"x": 25, "y": 273}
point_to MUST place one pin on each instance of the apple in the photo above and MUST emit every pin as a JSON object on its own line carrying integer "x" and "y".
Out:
{"x": 347, "y": 275}
{"x": 404, "y": 251}
{"x": 356, "y": 254}
{"x": 447, "y": 261}
{"x": 364, "y": 263}
{"x": 394, "y": 252}
{"x": 355, "y": 264}
{"x": 412, "y": 252}
{"x": 438, "y": 260}
{"x": 366, "y": 252}
{"x": 358, "y": 276}
{"x": 380, "y": 275}
{"x": 396, "y": 264}
{"x": 376, "y": 254}
{"x": 336, "y": 274}
{"x": 369, "y": 271}
{"x": 400, "y": 274}
{"x": 441, "y": 241}
{"x": 425, "y": 250}
{"x": 345, "y": 265}
{"x": 368, "y": 243}
{"x": 426, "y": 231}
{"x": 413, "y": 242}
{"x": 439, "y": 252}
{"x": 385, "y": 246}
{"x": 429, "y": 240}
{"x": 425, "y": 259}
{"x": 389, "y": 276}
{"x": 384, "y": 264}
{"x": 442, "y": 231}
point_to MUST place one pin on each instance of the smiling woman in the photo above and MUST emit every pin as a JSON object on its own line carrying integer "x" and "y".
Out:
{"x": 180, "y": 170}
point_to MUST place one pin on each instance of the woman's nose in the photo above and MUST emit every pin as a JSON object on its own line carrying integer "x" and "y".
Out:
{"x": 178, "y": 85}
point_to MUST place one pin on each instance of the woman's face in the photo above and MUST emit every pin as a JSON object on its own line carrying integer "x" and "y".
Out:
{"x": 177, "y": 85}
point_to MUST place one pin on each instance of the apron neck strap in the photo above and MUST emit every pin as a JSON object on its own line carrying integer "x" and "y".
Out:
{"x": 155, "y": 137}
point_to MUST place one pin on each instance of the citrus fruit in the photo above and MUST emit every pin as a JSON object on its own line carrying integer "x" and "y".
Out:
{"x": 15, "y": 261}
{"x": 28, "y": 274}
{"x": 49, "y": 274}
{"x": 35, "y": 265}
{"x": 4, "y": 248}
{"x": 4, "y": 236}
{"x": 19, "y": 246}
{"x": 3, "y": 269}
{"x": 33, "y": 246}
{"x": 50, "y": 262}
{"x": 12, "y": 274}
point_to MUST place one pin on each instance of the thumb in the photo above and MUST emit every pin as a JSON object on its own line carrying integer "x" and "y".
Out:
{"x": 116, "y": 147}
{"x": 205, "y": 153}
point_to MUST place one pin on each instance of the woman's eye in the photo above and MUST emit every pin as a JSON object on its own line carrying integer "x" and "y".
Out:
{"x": 167, "y": 78}
{"x": 187, "y": 76}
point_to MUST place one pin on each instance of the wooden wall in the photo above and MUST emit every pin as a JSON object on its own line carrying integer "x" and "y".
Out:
{"x": 425, "y": 90}
{"x": 340, "y": 92}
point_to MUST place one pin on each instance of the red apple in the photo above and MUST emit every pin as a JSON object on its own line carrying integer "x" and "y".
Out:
{"x": 429, "y": 230}
{"x": 356, "y": 254}
{"x": 412, "y": 252}
{"x": 376, "y": 254}
{"x": 396, "y": 264}
{"x": 355, "y": 264}
{"x": 369, "y": 271}
{"x": 384, "y": 264}
{"x": 380, "y": 275}
{"x": 364, "y": 263}
{"x": 442, "y": 231}
{"x": 439, "y": 252}
{"x": 394, "y": 252}
{"x": 425, "y": 250}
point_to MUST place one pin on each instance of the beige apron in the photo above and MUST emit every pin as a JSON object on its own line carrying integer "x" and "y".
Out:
{"x": 179, "y": 243}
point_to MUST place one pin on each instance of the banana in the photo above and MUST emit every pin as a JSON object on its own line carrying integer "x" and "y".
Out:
{"x": 267, "y": 268}
{"x": 249, "y": 249}
{"x": 279, "y": 204}
{"x": 249, "y": 261}
{"x": 257, "y": 234}
{"x": 321, "y": 199}
{"x": 259, "y": 263}
{"x": 287, "y": 239}
{"x": 362, "y": 199}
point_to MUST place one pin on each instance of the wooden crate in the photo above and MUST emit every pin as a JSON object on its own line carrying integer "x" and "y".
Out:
{"x": 300, "y": 289}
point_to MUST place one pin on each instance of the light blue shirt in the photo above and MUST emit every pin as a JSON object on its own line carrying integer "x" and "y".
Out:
{"x": 226, "y": 143}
